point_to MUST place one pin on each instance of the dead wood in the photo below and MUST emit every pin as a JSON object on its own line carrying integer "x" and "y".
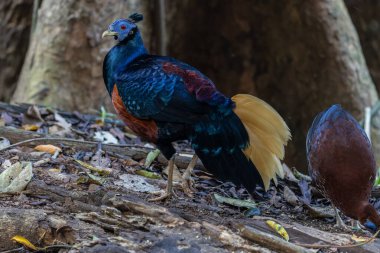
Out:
{"x": 38, "y": 226}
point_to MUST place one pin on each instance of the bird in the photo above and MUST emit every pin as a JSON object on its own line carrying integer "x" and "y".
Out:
{"x": 341, "y": 164}
{"x": 163, "y": 100}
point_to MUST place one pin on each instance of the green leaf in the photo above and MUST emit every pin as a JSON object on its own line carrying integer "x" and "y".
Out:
{"x": 148, "y": 174}
{"x": 234, "y": 202}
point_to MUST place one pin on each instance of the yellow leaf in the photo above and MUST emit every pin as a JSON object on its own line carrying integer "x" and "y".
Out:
{"x": 29, "y": 127}
{"x": 51, "y": 149}
{"x": 22, "y": 240}
{"x": 359, "y": 238}
{"x": 100, "y": 171}
{"x": 279, "y": 229}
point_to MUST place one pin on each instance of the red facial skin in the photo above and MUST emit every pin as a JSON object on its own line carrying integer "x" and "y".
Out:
{"x": 343, "y": 167}
{"x": 146, "y": 129}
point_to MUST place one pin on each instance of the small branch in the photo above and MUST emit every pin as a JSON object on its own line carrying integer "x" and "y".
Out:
{"x": 269, "y": 241}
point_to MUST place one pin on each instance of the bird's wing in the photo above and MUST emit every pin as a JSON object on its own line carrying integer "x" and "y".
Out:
{"x": 164, "y": 89}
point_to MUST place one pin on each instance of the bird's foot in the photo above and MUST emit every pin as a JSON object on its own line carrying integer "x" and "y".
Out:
{"x": 339, "y": 222}
{"x": 187, "y": 181}
{"x": 169, "y": 188}
{"x": 187, "y": 185}
{"x": 356, "y": 226}
{"x": 163, "y": 196}
{"x": 341, "y": 225}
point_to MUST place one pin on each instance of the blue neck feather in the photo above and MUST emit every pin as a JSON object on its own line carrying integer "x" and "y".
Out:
{"x": 120, "y": 56}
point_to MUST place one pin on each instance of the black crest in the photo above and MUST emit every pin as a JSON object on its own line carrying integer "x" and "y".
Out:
{"x": 136, "y": 17}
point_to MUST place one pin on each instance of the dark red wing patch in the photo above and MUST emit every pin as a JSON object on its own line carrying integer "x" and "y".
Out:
{"x": 146, "y": 129}
{"x": 196, "y": 84}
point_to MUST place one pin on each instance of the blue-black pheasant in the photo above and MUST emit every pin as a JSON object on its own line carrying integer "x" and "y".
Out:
{"x": 239, "y": 139}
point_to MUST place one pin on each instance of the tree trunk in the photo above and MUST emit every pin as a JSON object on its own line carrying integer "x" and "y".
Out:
{"x": 63, "y": 66}
{"x": 300, "y": 56}
{"x": 14, "y": 29}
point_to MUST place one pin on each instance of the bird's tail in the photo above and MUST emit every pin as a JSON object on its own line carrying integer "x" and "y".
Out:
{"x": 268, "y": 134}
{"x": 245, "y": 146}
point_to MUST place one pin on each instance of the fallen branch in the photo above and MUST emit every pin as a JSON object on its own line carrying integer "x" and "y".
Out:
{"x": 269, "y": 241}
{"x": 229, "y": 239}
{"x": 31, "y": 139}
{"x": 154, "y": 211}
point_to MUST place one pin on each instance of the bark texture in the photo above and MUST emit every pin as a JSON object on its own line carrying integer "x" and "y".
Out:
{"x": 64, "y": 62}
{"x": 15, "y": 24}
{"x": 299, "y": 56}
{"x": 366, "y": 18}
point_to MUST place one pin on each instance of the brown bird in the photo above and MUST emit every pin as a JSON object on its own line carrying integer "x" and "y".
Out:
{"x": 341, "y": 163}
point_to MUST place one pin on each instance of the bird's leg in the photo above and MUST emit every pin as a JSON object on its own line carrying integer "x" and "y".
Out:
{"x": 187, "y": 182}
{"x": 356, "y": 225}
{"x": 339, "y": 222}
{"x": 169, "y": 186}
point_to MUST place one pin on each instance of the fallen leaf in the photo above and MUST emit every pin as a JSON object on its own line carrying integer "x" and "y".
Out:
{"x": 91, "y": 179}
{"x": 252, "y": 212}
{"x": 299, "y": 175}
{"x": 291, "y": 197}
{"x": 100, "y": 171}
{"x": 100, "y": 161}
{"x": 25, "y": 242}
{"x": 16, "y": 177}
{"x": 147, "y": 174}
{"x": 34, "y": 113}
{"x": 51, "y": 149}
{"x": 234, "y": 202}
{"x": 6, "y": 118}
{"x": 29, "y": 127}
{"x": 4, "y": 142}
{"x": 105, "y": 137}
{"x": 279, "y": 229}
{"x": 152, "y": 155}
{"x": 61, "y": 121}
{"x": 6, "y": 164}
{"x": 136, "y": 183}
{"x": 356, "y": 238}
{"x": 177, "y": 177}
{"x": 320, "y": 212}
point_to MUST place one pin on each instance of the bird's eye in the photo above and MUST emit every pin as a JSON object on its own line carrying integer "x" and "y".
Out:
{"x": 131, "y": 32}
{"x": 123, "y": 27}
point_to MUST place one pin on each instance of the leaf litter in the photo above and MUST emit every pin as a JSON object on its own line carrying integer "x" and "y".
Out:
{"x": 85, "y": 179}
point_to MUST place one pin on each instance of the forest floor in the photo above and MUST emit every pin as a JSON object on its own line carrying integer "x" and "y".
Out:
{"x": 85, "y": 196}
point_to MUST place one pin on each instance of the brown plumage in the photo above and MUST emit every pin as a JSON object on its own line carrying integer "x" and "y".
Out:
{"x": 342, "y": 164}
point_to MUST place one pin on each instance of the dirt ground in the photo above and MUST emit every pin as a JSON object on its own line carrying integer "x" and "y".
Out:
{"x": 85, "y": 196}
